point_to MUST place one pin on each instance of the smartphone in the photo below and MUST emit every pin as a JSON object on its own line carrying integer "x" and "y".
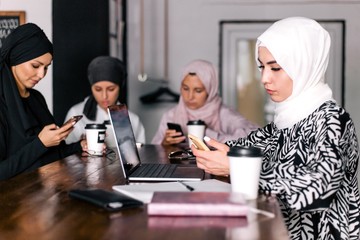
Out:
{"x": 176, "y": 127}
{"x": 73, "y": 119}
{"x": 199, "y": 144}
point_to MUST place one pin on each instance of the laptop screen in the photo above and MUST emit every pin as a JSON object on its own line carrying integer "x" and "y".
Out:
{"x": 124, "y": 135}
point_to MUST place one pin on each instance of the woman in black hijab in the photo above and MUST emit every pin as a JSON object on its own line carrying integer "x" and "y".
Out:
{"x": 29, "y": 137}
{"x": 106, "y": 76}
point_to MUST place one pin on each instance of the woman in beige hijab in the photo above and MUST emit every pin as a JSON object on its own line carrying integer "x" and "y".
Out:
{"x": 200, "y": 101}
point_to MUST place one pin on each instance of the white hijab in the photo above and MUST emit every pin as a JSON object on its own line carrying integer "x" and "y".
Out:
{"x": 301, "y": 47}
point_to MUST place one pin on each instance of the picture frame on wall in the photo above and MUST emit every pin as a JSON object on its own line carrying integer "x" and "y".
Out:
{"x": 9, "y": 20}
{"x": 240, "y": 84}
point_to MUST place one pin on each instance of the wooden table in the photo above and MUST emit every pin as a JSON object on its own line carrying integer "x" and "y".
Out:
{"x": 36, "y": 205}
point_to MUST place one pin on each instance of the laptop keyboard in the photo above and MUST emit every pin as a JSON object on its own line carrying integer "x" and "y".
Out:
{"x": 154, "y": 170}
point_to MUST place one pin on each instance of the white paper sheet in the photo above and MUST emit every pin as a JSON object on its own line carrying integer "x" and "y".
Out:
{"x": 145, "y": 191}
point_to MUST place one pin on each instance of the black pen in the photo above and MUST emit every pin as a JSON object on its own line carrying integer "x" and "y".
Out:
{"x": 187, "y": 186}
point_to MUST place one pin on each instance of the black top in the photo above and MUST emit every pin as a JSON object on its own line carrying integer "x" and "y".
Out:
{"x": 22, "y": 119}
{"x": 23, "y": 151}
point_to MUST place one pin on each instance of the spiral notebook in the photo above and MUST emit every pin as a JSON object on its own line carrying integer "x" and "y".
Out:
{"x": 130, "y": 161}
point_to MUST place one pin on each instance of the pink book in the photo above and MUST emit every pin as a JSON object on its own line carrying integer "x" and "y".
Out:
{"x": 196, "y": 221}
{"x": 196, "y": 204}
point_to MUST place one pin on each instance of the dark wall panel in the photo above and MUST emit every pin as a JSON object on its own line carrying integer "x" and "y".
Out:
{"x": 80, "y": 33}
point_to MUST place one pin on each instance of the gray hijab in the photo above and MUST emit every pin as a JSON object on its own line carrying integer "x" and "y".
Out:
{"x": 103, "y": 68}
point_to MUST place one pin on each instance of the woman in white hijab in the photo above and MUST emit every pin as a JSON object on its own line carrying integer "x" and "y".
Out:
{"x": 310, "y": 151}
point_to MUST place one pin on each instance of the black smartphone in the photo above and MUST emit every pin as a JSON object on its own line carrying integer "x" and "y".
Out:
{"x": 73, "y": 119}
{"x": 176, "y": 127}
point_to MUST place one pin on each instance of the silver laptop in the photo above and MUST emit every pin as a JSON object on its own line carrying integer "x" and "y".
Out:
{"x": 129, "y": 156}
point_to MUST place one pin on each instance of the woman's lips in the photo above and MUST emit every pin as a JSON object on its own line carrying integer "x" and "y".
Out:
{"x": 190, "y": 105}
{"x": 33, "y": 81}
{"x": 105, "y": 104}
{"x": 270, "y": 92}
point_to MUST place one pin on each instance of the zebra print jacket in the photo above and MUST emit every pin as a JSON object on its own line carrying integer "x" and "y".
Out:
{"x": 312, "y": 169}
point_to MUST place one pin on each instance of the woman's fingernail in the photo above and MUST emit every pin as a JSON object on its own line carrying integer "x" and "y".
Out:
{"x": 206, "y": 139}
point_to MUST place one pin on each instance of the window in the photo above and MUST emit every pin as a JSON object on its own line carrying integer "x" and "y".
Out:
{"x": 240, "y": 84}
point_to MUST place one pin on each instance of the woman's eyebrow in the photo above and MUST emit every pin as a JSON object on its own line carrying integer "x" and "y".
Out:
{"x": 41, "y": 63}
{"x": 271, "y": 62}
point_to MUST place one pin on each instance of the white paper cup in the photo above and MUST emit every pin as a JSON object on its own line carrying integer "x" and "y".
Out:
{"x": 196, "y": 128}
{"x": 95, "y": 137}
{"x": 245, "y": 167}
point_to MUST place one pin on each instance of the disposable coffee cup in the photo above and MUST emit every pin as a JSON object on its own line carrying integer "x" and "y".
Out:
{"x": 109, "y": 139}
{"x": 196, "y": 128}
{"x": 95, "y": 137}
{"x": 245, "y": 167}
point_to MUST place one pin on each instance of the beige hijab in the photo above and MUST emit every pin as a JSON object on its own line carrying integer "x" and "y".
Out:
{"x": 209, "y": 113}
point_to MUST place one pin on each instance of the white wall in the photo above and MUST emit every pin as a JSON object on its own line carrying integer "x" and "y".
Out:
{"x": 194, "y": 33}
{"x": 38, "y": 12}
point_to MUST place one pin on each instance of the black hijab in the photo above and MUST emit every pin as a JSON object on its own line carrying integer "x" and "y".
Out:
{"x": 103, "y": 68}
{"x": 24, "y": 43}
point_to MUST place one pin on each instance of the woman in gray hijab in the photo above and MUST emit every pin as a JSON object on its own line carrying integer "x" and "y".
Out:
{"x": 29, "y": 136}
{"x": 106, "y": 76}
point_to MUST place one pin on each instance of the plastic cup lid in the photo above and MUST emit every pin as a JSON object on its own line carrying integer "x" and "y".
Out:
{"x": 242, "y": 151}
{"x": 107, "y": 122}
{"x": 196, "y": 122}
{"x": 95, "y": 126}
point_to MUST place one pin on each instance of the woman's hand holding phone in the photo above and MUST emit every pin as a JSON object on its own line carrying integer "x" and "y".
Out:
{"x": 173, "y": 135}
{"x": 51, "y": 135}
{"x": 215, "y": 161}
